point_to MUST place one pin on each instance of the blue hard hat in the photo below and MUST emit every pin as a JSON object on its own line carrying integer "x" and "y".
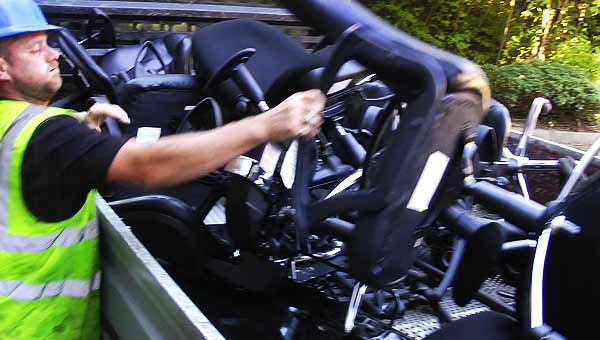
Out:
{"x": 20, "y": 17}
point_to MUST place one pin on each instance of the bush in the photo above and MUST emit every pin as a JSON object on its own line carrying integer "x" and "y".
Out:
{"x": 580, "y": 53}
{"x": 573, "y": 94}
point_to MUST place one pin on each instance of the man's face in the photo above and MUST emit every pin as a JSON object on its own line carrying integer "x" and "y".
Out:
{"x": 31, "y": 67}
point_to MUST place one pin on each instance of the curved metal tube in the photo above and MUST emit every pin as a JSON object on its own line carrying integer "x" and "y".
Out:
{"x": 579, "y": 169}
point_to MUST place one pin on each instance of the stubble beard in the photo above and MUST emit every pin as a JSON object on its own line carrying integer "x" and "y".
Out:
{"x": 44, "y": 92}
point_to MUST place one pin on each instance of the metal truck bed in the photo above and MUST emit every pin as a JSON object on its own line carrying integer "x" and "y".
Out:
{"x": 139, "y": 299}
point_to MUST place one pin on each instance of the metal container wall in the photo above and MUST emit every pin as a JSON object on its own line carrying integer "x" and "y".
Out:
{"x": 139, "y": 299}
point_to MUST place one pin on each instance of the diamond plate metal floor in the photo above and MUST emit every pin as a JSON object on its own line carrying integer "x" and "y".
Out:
{"x": 418, "y": 323}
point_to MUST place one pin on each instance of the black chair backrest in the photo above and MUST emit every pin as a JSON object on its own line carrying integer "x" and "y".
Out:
{"x": 179, "y": 46}
{"x": 173, "y": 49}
{"x": 498, "y": 118}
{"x": 100, "y": 30}
{"x": 158, "y": 101}
{"x": 571, "y": 276}
{"x": 404, "y": 181}
{"x": 277, "y": 56}
{"x": 419, "y": 172}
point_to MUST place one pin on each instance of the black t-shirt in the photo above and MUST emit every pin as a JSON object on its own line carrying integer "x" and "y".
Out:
{"x": 63, "y": 161}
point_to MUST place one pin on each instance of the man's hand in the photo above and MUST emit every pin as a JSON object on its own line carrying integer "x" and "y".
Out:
{"x": 300, "y": 115}
{"x": 97, "y": 114}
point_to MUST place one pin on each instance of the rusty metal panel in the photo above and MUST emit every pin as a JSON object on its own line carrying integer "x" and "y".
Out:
{"x": 139, "y": 299}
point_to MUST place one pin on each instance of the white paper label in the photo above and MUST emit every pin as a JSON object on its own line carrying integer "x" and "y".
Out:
{"x": 240, "y": 165}
{"x": 428, "y": 182}
{"x": 269, "y": 159}
{"x": 288, "y": 167}
{"x": 147, "y": 135}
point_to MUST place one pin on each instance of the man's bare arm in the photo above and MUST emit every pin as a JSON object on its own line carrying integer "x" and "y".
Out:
{"x": 179, "y": 158}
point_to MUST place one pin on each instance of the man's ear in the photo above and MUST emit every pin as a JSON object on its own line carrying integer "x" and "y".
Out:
{"x": 4, "y": 70}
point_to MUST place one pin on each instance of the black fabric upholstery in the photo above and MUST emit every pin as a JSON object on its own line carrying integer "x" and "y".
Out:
{"x": 486, "y": 325}
{"x": 158, "y": 101}
{"x": 277, "y": 56}
{"x": 168, "y": 227}
{"x": 174, "y": 49}
{"x": 179, "y": 45}
{"x": 571, "y": 277}
{"x": 498, "y": 118}
{"x": 481, "y": 253}
{"x": 487, "y": 144}
{"x": 382, "y": 250}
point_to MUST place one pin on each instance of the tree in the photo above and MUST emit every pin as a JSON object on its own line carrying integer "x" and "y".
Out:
{"x": 551, "y": 17}
{"x": 496, "y": 31}
{"x": 511, "y": 11}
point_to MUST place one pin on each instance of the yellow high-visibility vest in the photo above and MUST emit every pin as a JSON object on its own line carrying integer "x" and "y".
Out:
{"x": 49, "y": 271}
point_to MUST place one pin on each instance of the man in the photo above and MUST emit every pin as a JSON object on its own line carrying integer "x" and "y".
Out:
{"x": 50, "y": 164}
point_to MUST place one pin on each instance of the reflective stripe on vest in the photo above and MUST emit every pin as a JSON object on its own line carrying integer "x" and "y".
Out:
{"x": 7, "y": 142}
{"x": 33, "y": 244}
{"x": 20, "y": 291}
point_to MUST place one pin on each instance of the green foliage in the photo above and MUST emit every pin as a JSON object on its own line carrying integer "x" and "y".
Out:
{"x": 505, "y": 32}
{"x": 475, "y": 28}
{"x": 580, "y": 53}
{"x": 573, "y": 95}
{"x": 447, "y": 24}
{"x": 401, "y": 17}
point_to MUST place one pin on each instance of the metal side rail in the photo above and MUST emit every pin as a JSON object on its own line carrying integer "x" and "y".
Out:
{"x": 158, "y": 10}
{"x": 139, "y": 299}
